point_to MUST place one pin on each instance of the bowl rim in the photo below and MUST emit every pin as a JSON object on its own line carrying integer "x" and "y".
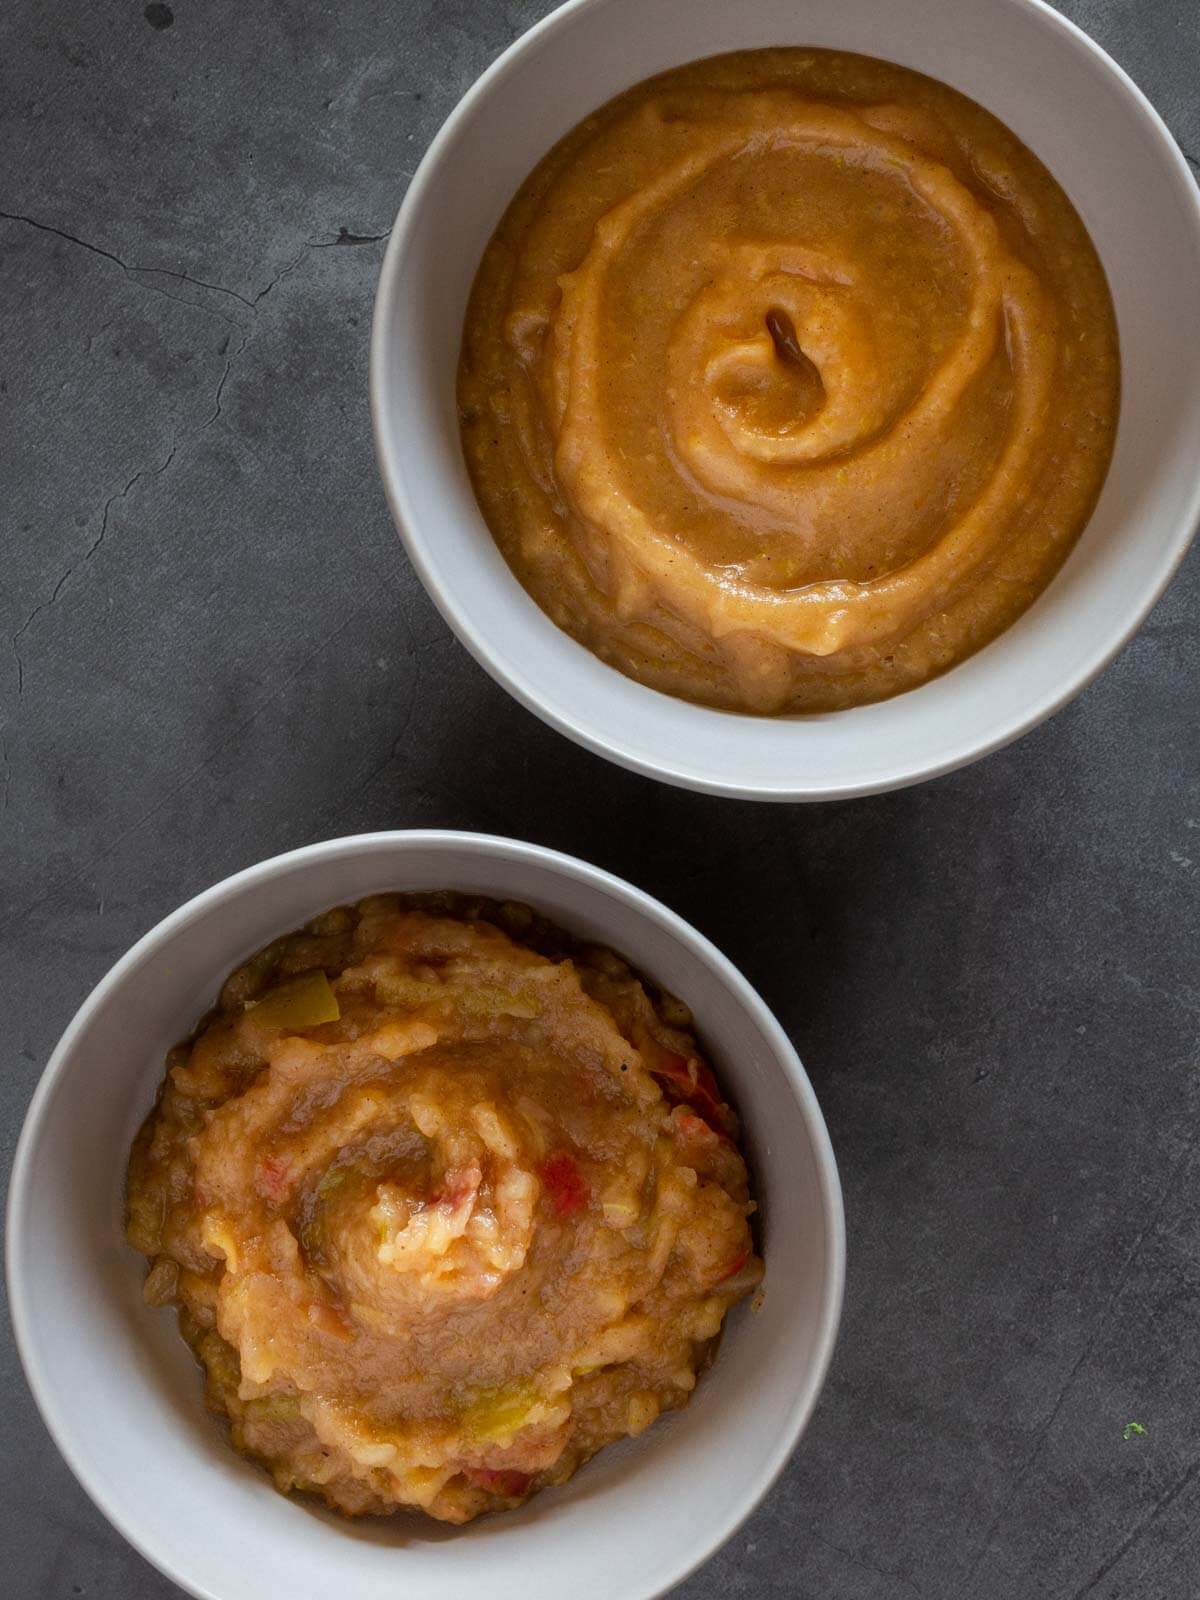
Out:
{"x": 974, "y": 742}
{"x": 515, "y": 852}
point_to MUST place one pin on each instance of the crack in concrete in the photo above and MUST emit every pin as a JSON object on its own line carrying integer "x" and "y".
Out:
{"x": 392, "y": 94}
{"x": 417, "y": 654}
{"x": 139, "y": 274}
{"x": 1113, "y": 1300}
{"x": 186, "y": 277}
{"x": 99, "y": 334}
{"x": 133, "y": 270}
{"x": 156, "y": 472}
{"x": 280, "y": 276}
{"x": 866, "y": 1566}
{"x": 143, "y": 473}
{"x": 190, "y": 305}
{"x": 1163, "y": 1503}
{"x": 344, "y": 237}
{"x": 15, "y": 640}
{"x": 224, "y": 378}
{"x": 397, "y": 742}
{"x": 354, "y": 83}
{"x": 45, "y": 605}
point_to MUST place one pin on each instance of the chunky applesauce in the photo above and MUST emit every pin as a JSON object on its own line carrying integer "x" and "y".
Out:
{"x": 446, "y": 1204}
{"x": 788, "y": 380}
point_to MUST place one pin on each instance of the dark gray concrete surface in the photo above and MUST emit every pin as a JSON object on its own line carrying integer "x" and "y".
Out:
{"x": 214, "y": 650}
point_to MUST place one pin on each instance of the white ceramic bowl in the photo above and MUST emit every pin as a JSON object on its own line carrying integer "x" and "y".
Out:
{"x": 1103, "y": 141}
{"x": 122, "y": 1396}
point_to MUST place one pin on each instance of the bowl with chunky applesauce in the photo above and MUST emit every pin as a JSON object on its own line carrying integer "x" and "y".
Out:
{"x": 794, "y": 420}
{"x": 447, "y": 1202}
{"x": 494, "y": 1208}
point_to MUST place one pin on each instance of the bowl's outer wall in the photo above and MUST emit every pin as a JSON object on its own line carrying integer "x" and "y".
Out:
{"x": 1075, "y": 108}
{"x": 122, "y": 1396}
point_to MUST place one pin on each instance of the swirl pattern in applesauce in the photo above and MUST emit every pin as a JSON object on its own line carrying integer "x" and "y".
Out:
{"x": 788, "y": 380}
{"x": 446, "y": 1203}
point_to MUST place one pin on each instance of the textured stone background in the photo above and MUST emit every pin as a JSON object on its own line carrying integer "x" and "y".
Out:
{"x": 215, "y": 650}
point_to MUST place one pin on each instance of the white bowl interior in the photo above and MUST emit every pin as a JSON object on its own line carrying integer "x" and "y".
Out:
{"x": 1111, "y": 153}
{"x": 122, "y": 1395}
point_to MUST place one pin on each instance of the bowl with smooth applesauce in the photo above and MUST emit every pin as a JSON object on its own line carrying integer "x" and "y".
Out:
{"x": 791, "y": 405}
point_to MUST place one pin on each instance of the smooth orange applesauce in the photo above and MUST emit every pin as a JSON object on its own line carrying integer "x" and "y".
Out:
{"x": 446, "y": 1203}
{"x": 788, "y": 380}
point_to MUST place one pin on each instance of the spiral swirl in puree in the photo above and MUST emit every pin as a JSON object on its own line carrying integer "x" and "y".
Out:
{"x": 788, "y": 380}
{"x": 446, "y": 1203}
